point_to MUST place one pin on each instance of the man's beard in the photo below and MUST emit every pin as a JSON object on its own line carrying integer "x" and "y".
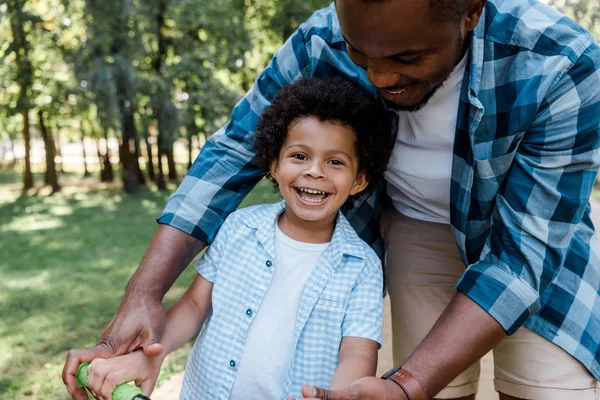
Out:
{"x": 460, "y": 52}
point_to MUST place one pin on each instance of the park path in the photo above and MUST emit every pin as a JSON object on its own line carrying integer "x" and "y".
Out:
{"x": 170, "y": 389}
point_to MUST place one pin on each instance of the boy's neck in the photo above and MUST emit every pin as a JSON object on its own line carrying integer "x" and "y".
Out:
{"x": 306, "y": 231}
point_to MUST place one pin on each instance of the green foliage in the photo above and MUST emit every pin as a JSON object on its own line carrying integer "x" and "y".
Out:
{"x": 584, "y": 12}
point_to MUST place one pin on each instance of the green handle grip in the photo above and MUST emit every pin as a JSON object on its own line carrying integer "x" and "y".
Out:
{"x": 124, "y": 391}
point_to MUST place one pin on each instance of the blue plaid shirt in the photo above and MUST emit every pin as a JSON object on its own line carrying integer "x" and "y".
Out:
{"x": 342, "y": 297}
{"x": 525, "y": 160}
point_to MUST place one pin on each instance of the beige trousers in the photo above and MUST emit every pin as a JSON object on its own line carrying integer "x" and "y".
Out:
{"x": 423, "y": 266}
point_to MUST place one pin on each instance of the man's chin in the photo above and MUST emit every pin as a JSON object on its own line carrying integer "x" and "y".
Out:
{"x": 417, "y": 106}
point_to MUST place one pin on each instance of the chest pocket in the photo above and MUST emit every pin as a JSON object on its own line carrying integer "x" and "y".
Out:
{"x": 329, "y": 311}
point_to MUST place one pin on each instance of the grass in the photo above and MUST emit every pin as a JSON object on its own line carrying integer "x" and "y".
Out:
{"x": 65, "y": 261}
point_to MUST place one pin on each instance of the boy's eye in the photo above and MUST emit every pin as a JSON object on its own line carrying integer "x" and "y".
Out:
{"x": 299, "y": 156}
{"x": 336, "y": 162}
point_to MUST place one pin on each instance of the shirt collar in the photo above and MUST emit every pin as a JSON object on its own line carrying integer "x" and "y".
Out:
{"x": 344, "y": 239}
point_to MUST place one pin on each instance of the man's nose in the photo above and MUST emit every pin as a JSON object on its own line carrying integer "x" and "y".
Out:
{"x": 380, "y": 74}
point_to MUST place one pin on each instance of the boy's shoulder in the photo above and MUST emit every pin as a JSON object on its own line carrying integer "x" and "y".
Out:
{"x": 352, "y": 244}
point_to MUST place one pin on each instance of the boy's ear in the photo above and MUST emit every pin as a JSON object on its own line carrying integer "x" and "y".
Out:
{"x": 273, "y": 169}
{"x": 360, "y": 184}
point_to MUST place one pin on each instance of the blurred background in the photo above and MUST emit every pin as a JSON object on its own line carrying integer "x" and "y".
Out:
{"x": 104, "y": 105}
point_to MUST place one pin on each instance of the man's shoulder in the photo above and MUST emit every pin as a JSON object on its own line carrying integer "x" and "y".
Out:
{"x": 324, "y": 24}
{"x": 534, "y": 26}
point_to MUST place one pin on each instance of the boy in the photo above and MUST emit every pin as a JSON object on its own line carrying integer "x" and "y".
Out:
{"x": 287, "y": 293}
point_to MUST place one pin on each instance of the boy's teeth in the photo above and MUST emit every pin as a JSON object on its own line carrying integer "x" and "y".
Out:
{"x": 311, "y": 191}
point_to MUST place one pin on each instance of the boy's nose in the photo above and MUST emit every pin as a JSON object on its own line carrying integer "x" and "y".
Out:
{"x": 315, "y": 170}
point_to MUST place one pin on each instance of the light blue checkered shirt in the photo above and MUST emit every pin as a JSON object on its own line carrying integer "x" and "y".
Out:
{"x": 342, "y": 297}
{"x": 525, "y": 160}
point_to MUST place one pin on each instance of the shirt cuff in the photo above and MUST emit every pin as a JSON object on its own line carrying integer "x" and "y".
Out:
{"x": 506, "y": 297}
{"x": 204, "y": 229}
{"x": 363, "y": 331}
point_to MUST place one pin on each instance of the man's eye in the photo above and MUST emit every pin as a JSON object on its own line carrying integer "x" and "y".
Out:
{"x": 357, "y": 57}
{"x": 406, "y": 60}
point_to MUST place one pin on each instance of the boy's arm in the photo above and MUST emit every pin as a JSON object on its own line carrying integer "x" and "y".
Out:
{"x": 358, "y": 358}
{"x": 361, "y": 329}
{"x": 184, "y": 320}
{"x": 188, "y": 314}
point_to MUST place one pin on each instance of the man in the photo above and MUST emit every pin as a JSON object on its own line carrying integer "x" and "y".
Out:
{"x": 498, "y": 114}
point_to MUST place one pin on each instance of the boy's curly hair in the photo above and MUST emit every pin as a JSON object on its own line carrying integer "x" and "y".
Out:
{"x": 336, "y": 100}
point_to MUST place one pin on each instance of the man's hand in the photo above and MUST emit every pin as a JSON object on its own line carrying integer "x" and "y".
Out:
{"x": 369, "y": 388}
{"x": 138, "y": 323}
{"x": 140, "y": 320}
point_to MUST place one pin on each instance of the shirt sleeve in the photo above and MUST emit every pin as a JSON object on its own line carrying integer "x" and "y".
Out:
{"x": 225, "y": 170}
{"x": 211, "y": 259}
{"x": 364, "y": 314}
{"x": 542, "y": 201}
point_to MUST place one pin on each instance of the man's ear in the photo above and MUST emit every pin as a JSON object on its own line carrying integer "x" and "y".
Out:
{"x": 273, "y": 169}
{"x": 360, "y": 184}
{"x": 470, "y": 20}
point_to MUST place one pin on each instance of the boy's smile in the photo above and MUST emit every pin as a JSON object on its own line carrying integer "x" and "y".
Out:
{"x": 316, "y": 171}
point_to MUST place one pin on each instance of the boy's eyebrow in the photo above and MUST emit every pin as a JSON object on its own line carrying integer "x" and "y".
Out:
{"x": 305, "y": 147}
{"x": 405, "y": 53}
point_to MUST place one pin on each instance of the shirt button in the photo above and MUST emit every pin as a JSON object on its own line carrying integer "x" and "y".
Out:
{"x": 232, "y": 364}
{"x": 269, "y": 263}
{"x": 249, "y": 312}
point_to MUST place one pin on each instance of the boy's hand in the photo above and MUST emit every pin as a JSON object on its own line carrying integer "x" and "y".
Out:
{"x": 139, "y": 323}
{"x": 105, "y": 374}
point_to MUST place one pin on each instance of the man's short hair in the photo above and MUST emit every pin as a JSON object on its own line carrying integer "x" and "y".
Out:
{"x": 442, "y": 10}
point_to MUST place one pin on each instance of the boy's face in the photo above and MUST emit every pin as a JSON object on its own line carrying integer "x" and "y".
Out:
{"x": 317, "y": 169}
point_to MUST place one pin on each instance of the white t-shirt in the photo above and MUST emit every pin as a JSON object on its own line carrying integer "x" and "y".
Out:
{"x": 270, "y": 340}
{"x": 420, "y": 168}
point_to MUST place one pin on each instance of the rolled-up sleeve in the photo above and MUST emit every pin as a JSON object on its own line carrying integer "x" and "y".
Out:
{"x": 543, "y": 200}
{"x": 364, "y": 314}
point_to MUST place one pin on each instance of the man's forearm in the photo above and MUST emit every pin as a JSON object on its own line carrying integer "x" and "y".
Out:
{"x": 169, "y": 253}
{"x": 463, "y": 334}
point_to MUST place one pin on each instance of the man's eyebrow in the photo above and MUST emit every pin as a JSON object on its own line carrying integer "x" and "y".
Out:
{"x": 405, "y": 53}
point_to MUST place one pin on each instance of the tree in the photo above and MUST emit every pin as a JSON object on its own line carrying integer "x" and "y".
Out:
{"x": 21, "y": 24}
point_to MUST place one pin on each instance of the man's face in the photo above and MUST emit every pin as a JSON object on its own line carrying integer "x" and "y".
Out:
{"x": 406, "y": 53}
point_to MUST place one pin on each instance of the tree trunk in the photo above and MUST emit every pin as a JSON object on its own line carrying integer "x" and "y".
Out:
{"x": 28, "y": 177}
{"x": 190, "y": 150}
{"x": 160, "y": 177}
{"x": 86, "y": 172}
{"x": 50, "y": 177}
{"x": 171, "y": 164}
{"x": 150, "y": 165}
{"x": 127, "y": 151}
{"x": 140, "y": 175}
{"x": 107, "y": 170}
{"x": 100, "y": 159}
{"x": 58, "y": 150}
